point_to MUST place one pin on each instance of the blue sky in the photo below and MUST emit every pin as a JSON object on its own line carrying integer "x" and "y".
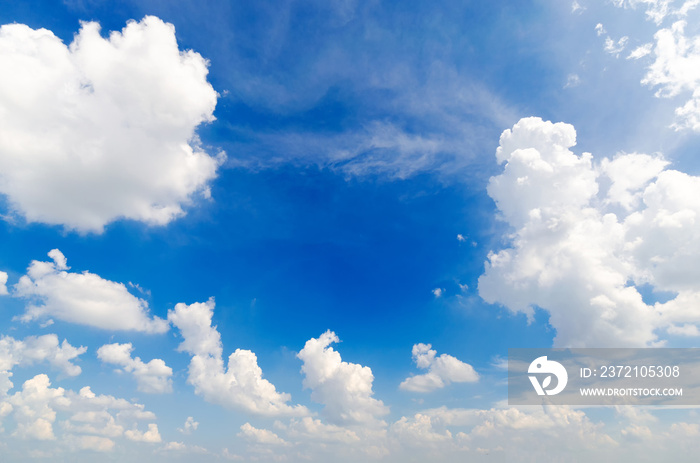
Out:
{"x": 364, "y": 204}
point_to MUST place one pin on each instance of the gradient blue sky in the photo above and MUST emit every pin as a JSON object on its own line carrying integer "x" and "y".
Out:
{"x": 354, "y": 196}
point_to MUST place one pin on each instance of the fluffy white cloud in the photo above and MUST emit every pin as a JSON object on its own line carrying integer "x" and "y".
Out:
{"x": 34, "y": 349}
{"x": 676, "y": 70}
{"x": 151, "y": 436}
{"x": 82, "y": 298}
{"x": 312, "y": 429}
{"x": 344, "y": 388}
{"x": 442, "y": 370}
{"x": 152, "y": 377}
{"x": 189, "y": 426}
{"x": 241, "y": 385}
{"x": 260, "y": 436}
{"x": 3, "y": 284}
{"x": 33, "y": 408}
{"x": 102, "y": 129}
{"x": 585, "y": 235}
{"x": 676, "y": 67}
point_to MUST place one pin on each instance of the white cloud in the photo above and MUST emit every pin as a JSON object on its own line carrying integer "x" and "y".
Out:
{"x": 260, "y": 436}
{"x": 599, "y": 29}
{"x": 241, "y": 385}
{"x": 316, "y": 431}
{"x": 641, "y": 51}
{"x": 685, "y": 330}
{"x": 92, "y": 421}
{"x": 3, "y": 284}
{"x": 33, "y": 408}
{"x": 152, "y": 377}
{"x": 96, "y": 443}
{"x": 572, "y": 80}
{"x": 438, "y": 292}
{"x": 575, "y": 250}
{"x": 102, "y": 129}
{"x": 189, "y": 426}
{"x": 442, "y": 370}
{"x": 461, "y": 238}
{"x": 152, "y": 436}
{"x": 419, "y": 431}
{"x": 82, "y": 298}
{"x": 344, "y": 388}
{"x": 676, "y": 70}
{"x": 615, "y": 48}
{"x": 33, "y": 350}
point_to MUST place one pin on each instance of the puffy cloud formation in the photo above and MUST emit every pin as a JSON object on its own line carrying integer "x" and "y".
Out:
{"x": 442, "y": 370}
{"x": 33, "y": 349}
{"x": 82, "y": 298}
{"x": 241, "y": 385}
{"x": 312, "y": 429}
{"x": 93, "y": 421}
{"x": 585, "y": 236}
{"x": 151, "y": 377}
{"x": 344, "y": 388}
{"x": 3, "y": 283}
{"x": 102, "y": 129}
{"x": 190, "y": 426}
{"x": 260, "y": 436}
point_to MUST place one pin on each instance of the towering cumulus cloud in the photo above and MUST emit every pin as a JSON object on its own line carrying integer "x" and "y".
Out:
{"x": 587, "y": 235}
{"x": 241, "y": 385}
{"x": 104, "y": 128}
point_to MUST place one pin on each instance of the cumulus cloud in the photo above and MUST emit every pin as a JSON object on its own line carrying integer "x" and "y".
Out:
{"x": 34, "y": 349}
{"x": 241, "y": 385}
{"x": 104, "y": 128}
{"x": 344, "y": 388}
{"x": 260, "y": 436}
{"x": 151, "y": 377}
{"x": 442, "y": 370}
{"x": 151, "y": 436}
{"x": 189, "y": 426}
{"x": 82, "y": 298}
{"x": 3, "y": 284}
{"x": 90, "y": 421}
{"x": 313, "y": 429}
{"x": 586, "y": 235}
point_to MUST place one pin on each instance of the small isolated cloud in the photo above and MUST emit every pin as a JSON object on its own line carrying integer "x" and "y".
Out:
{"x": 82, "y": 298}
{"x": 599, "y": 29}
{"x": 438, "y": 292}
{"x": 189, "y": 426}
{"x": 260, "y": 436}
{"x": 3, "y": 284}
{"x": 572, "y": 80}
{"x": 641, "y": 51}
{"x": 344, "y": 388}
{"x": 103, "y": 129}
{"x": 151, "y": 377}
{"x": 615, "y": 48}
{"x": 576, "y": 7}
{"x": 461, "y": 238}
{"x": 442, "y": 370}
{"x": 240, "y": 386}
